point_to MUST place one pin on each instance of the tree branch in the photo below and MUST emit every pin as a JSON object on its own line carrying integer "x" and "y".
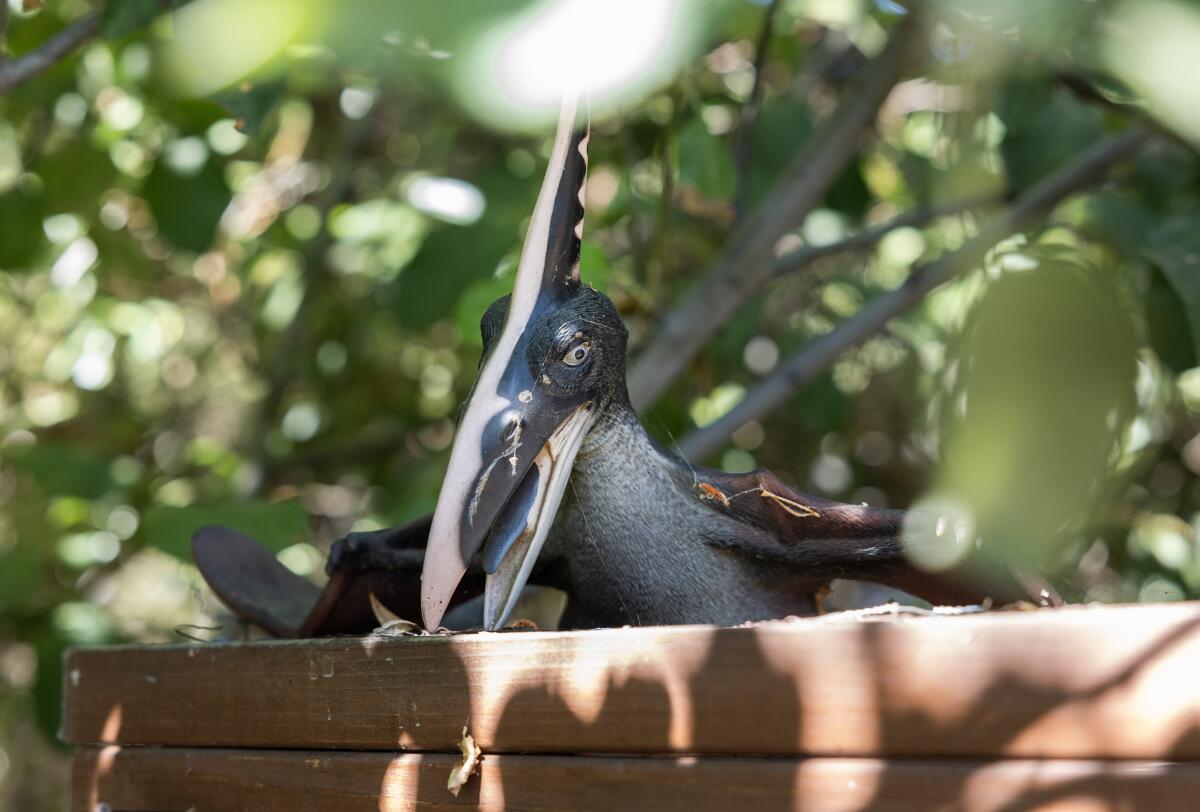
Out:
{"x": 916, "y": 217}
{"x": 746, "y": 264}
{"x": 17, "y": 71}
{"x": 821, "y": 352}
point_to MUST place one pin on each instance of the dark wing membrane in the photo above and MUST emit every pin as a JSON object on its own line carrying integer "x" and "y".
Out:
{"x": 826, "y": 539}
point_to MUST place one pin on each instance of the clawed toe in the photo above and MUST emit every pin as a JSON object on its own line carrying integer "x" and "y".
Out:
{"x": 348, "y": 554}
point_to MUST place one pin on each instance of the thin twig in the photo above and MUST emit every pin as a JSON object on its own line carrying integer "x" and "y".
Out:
{"x": 749, "y": 116}
{"x": 747, "y": 263}
{"x": 916, "y": 217}
{"x": 820, "y": 353}
{"x": 16, "y": 71}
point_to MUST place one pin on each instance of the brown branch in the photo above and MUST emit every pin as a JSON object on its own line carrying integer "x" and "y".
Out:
{"x": 819, "y": 354}
{"x": 746, "y": 264}
{"x": 17, "y": 71}
{"x": 916, "y": 217}
{"x": 749, "y": 116}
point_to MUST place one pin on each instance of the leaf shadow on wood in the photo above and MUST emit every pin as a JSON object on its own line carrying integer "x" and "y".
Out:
{"x": 1007, "y": 708}
{"x": 672, "y": 719}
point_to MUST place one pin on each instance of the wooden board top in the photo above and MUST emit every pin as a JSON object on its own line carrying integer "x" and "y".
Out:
{"x": 1113, "y": 682}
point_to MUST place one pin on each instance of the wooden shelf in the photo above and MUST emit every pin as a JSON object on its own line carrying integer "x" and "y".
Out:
{"x": 152, "y": 779}
{"x": 932, "y": 708}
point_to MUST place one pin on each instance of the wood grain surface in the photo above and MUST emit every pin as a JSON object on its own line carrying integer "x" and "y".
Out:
{"x": 1080, "y": 683}
{"x": 142, "y": 779}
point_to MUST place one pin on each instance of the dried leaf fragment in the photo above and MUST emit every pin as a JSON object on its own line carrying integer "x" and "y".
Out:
{"x": 388, "y": 620}
{"x": 793, "y": 507}
{"x": 464, "y": 769}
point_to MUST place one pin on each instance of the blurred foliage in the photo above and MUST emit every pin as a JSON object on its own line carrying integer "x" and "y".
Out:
{"x": 255, "y": 299}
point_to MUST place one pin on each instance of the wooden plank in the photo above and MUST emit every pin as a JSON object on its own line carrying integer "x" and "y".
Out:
{"x": 1073, "y": 683}
{"x": 214, "y": 780}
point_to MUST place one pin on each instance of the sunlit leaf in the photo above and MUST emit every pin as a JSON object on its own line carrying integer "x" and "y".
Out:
{"x": 1044, "y": 389}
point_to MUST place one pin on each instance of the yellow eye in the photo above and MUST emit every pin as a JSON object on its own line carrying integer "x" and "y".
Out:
{"x": 577, "y": 354}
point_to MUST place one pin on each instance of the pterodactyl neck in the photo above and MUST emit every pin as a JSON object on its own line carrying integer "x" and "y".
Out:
{"x": 643, "y": 549}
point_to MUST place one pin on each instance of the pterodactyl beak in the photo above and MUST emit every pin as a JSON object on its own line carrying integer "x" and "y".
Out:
{"x": 516, "y": 441}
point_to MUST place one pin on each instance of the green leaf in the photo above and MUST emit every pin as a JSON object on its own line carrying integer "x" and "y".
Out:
{"x": 18, "y": 576}
{"x": 61, "y": 470}
{"x": 779, "y": 131}
{"x": 49, "y": 645}
{"x": 451, "y": 259}
{"x": 1119, "y": 219}
{"x": 1175, "y": 248}
{"x": 278, "y": 525}
{"x": 705, "y": 162}
{"x": 22, "y": 239}
{"x": 250, "y": 104}
{"x": 76, "y": 178}
{"x": 121, "y": 17}
{"x": 1044, "y": 128}
{"x": 474, "y": 301}
{"x": 187, "y": 207}
{"x": 1167, "y": 326}
{"x": 594, "y": 267}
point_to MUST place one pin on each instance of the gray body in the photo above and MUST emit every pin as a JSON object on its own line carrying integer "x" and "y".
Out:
{"x": 634, "y": 545}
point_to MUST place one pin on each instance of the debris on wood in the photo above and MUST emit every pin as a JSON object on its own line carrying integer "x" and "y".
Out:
{"x": 463, "y": 771}
{"x": 891, "y": 610}
{"x": 820, "y": 597}
{"x": 389, "y": 621}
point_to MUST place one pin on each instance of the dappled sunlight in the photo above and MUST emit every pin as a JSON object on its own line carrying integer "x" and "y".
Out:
{"x": 1039, "y": 388}
{"x": 584, "y": 678}
{"x": 454, "y": 201}
{"x": 940, "y": 258}
{"x": 996, "y": 712}
{"x": 218, "y": 42}
{"x": 1154, "y": 45}
{"x": 110, "y": 732}
{"x": 518, "y": 72}
{"x": 839, "y": 785}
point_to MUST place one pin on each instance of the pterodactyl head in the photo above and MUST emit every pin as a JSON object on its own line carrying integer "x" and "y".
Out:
{"x": 553, "y": 352}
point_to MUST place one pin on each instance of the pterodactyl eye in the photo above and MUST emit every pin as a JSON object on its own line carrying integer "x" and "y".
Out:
{"x": 577, "y": 354}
